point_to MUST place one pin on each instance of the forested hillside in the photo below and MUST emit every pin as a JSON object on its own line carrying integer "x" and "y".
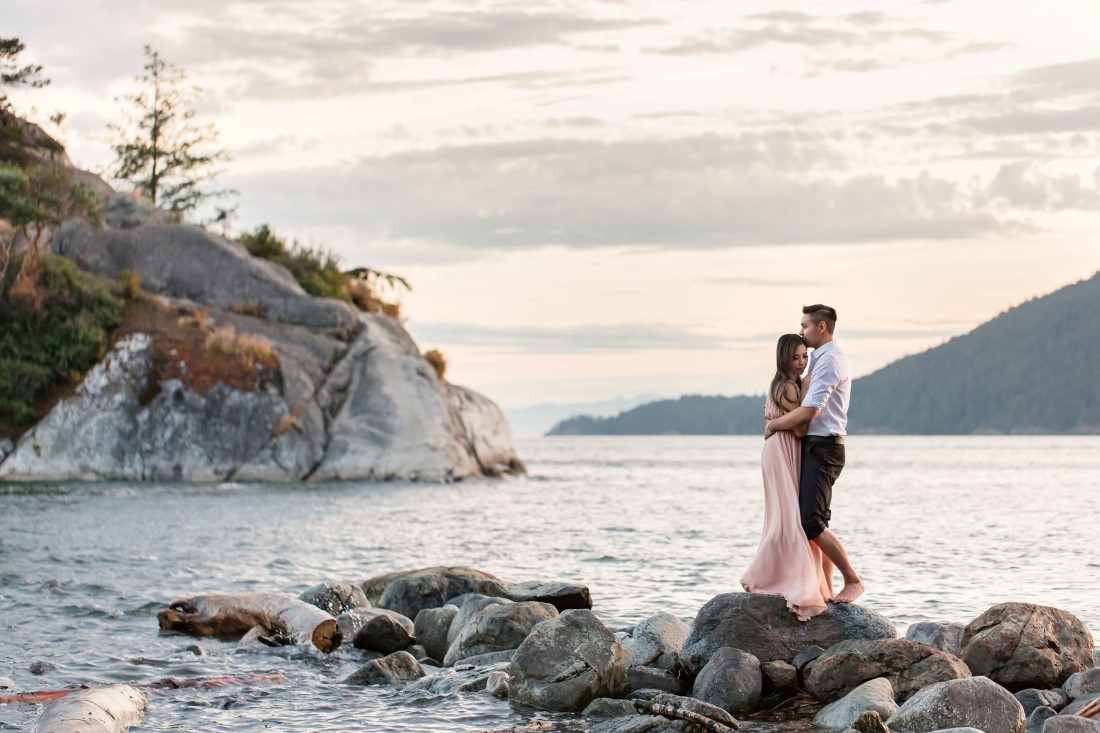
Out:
{"x": 1032, "y": 369}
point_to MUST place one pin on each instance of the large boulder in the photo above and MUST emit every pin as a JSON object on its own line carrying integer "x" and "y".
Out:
{"x": 410, "y": 592}
{"x": 497, "y": 628}
{"x": 876, "y": 694}
{"x": 942, "y": 635}
{"x": 335, "y": 597}
{"x": 390, "y": 670}
{"x": 1021, "y": 645}
{"x": 1071, "y": 724}
{"x": 908, "y": 666}
{"x": 1082, "y": 683}
{"x": 566, "y": 662}
{"x": 469, "y": 605}
{"x": 657, "y": 635}
{"x": 384, "y": 631}
{"x": 762, "y": 626}
{"x": 975, "y": 702}
{"x": 731, "y": 680}
{"x": 431, "y": 626}
{"x": 1031, "y": 699}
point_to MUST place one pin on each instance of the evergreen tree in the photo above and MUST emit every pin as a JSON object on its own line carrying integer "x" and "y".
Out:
{"x": 14, "y": 75}
{"x": 160, "y": 149}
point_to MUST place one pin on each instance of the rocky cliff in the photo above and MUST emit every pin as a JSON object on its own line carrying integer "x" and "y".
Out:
{"x": 351, "y": 399}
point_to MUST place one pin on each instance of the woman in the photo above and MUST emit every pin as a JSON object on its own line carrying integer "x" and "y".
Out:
{"x": 786, "y": 563}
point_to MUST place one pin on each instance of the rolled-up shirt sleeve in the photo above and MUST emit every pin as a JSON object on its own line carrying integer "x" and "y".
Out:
{"x": 823, "y": 382}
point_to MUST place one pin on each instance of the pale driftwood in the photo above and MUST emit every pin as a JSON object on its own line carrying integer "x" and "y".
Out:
{"x": 231, "y": 617}
{"x": 110, "y": 709}
{"x": 673, "y": 711}
{"x": 1091, "y": 709}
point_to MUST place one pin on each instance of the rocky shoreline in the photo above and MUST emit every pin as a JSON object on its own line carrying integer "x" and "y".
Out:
{"x": 1016, "y": 668}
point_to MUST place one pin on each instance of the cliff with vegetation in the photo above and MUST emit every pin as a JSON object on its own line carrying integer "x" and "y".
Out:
{"x": 1030, "y": 370}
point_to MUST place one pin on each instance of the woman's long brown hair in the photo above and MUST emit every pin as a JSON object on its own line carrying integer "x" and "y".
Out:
{"x": 784, "y": 372}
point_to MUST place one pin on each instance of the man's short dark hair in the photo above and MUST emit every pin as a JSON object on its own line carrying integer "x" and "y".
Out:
{"x": 821, "y": 313}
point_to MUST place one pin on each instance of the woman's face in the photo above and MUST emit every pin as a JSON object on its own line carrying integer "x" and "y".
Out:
{"x": 799, "y": 360}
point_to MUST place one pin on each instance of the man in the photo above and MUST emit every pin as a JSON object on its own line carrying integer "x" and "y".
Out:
{"x": 825, "y": 409}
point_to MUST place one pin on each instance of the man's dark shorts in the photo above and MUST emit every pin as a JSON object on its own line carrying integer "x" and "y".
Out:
{"x": 822, "y": 462}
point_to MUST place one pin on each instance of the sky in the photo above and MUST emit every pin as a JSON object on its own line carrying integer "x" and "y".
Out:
{"x": 596, "y": 199}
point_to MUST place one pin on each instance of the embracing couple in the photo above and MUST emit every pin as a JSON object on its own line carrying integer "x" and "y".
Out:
{"x": 803, "y": 455}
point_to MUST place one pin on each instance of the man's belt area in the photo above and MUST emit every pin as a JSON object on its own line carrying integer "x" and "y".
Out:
{"x": 837, "y": 439}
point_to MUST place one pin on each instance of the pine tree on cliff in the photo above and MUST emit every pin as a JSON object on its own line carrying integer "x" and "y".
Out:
{"x": 160, "y": 148}
{"x": 14, "y": 75}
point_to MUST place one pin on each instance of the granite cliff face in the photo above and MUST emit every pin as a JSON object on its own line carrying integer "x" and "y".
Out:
{"x": 353, "y": 400}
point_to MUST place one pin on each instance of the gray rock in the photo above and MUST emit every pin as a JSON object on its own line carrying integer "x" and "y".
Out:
{"x": 566, "y": 662}
{"x": 1071, "y": 724}
{"x": 1079, "y": 703}
{"x": 1038, "y": 718}
{"x": 778, "y": 676}
{"x": 1082, "y": 683}
{"x": 607, "y": 707}
{"x": 651, "y": 678}
{"x": 497, "y": 628}
{"x": 412, "y": 591}
{"x": 390, "y": 670}
{"x": 762, "y": 626}
{"x": 908, "y": 665}
{"x": 6, "y": 447}
{"x": 349, "y": 623}
{"x": 669, "y": 661}
{"x": 1021, "y": 645}
{"x": 806, "y": 656}
{"x": 489, "y": 658}
{"x": 657, "y": 635}
{"x": 561, "y": 596}
{"x": 335, "y": 597}
{"x": 731, "y": 680}
{"x": 876, "y": 694}
{"x": 472, "y": 605}
{"x": 1030, "y": 699}
{"x": 497, "y": 684}
{"x": 453, "y": 680}
{"x": 431, "y": 627}
{"x": 943, "y": 635}
{"x": 633, "y": 724}
{"x": 975, "y": 702}
{"x": 384, "y": 631}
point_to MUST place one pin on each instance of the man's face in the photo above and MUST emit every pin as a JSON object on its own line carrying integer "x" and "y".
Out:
{"x": 812, "y": 332}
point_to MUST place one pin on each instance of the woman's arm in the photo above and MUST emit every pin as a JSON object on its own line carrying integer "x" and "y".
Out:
{"x": 789, "y": 401}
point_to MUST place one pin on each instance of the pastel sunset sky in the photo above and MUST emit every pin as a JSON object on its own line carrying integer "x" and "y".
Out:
{"x": 602, "y": 198}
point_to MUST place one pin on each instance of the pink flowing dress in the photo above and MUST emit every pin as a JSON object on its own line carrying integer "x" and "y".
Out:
{"x": 786, "y": 563}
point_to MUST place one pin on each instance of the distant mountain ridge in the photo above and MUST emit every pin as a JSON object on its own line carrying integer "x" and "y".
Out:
{"x": 1033, "y": 369}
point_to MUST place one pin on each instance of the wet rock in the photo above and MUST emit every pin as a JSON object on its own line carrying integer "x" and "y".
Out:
{"x": 876, "y": 695}
{"x": 490, "y": 658}
{"x": 1082, "y": 683}
{"x": 390, "y": 670}
{"x": 607, "y": 707}
{"x": 1079, "y": 703}
{"x": 561, "y": 596}
{"x": 778, "y": 676}
{"x": 453, "y": 680}
{"x": 411, "y": 592}
{"x": 908, "y": 665}
{"x": 431, "y": 627}
{"x": 498, "y": 628}
{"x": 335, "y": 597}
{"x": 633, "y": 724}
{"x": 806, "y": 656}
{"x": 1071, "y": 724}
{"x": 762, "y": 626}
{"x": 472, "y": 605}
{"x": 1021, "y": 645}
{"x": 942, "y": 635}
{"x": 669, "y": 661}
{"x": 731, "y": 680}
{"x": 349, "y": 623}
{"x": 975, "y": 702}
{"x": 384, "y": 631}
{"x": 566, "y": 662}
{"x": 1038, "y": 718}
{"x": 1030, "y": 699}
{"x": 651, "y": 678}
{"x": 374, "y": 587}
{"x": 869, "y": 722}
{"x": 661, "y": 633}
{"x": 497, "y": 684}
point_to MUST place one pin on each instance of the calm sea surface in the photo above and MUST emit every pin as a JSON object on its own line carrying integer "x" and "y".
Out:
{"x": 940, "y": 528}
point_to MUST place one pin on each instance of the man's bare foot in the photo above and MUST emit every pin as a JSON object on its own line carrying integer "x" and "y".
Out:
{"x": 850, "y": 592}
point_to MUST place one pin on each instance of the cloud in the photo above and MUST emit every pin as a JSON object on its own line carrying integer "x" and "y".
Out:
{"x": 699, "y": 192}
{"x": 1025, "y": 185}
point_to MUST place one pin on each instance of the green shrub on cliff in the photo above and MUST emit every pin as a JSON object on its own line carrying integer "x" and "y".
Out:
{"x": 317, "y": 271}
{"x": 51, "y": 340}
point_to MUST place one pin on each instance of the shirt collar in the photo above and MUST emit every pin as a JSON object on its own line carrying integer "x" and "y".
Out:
{"x": 822, "y": 349}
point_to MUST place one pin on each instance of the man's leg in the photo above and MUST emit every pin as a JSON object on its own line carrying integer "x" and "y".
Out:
{"x": 821, "y": 465}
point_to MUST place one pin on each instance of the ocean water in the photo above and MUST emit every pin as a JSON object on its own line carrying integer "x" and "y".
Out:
{"x": 941, "y": 528}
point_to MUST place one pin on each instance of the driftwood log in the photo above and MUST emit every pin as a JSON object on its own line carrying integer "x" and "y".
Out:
{"x": 110, "y": 709}
{"x": 672, "y": 711}
{"x": 1090, "y": 710}
{"x": 231, "y": 617}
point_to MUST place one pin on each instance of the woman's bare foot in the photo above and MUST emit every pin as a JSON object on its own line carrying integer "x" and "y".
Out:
{"x": 851, "y": 591}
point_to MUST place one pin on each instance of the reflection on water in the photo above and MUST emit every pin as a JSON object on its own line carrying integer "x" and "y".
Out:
{"x": 940, "y": 528}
